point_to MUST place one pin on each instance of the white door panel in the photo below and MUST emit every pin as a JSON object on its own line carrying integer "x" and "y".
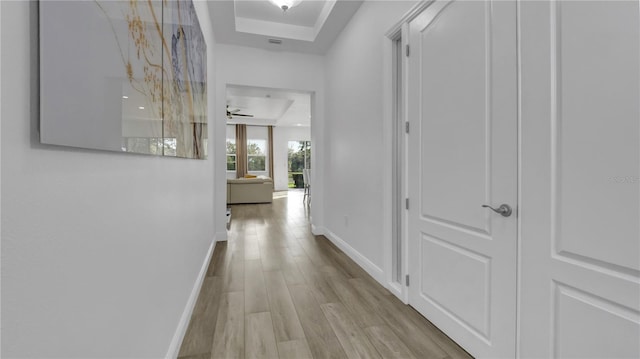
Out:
{"x": 580, "y": 242}
{"x": 615, "y": 335}
{"x": 465, "y": 293}
{"x": 595, "y": 132}
{"x": 463, "y": 154}
{"x": 458, "y": 118}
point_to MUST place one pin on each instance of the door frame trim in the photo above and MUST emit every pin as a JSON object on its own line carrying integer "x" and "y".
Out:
{"x": 519, "y": 179}
{"x": 401, "y": 28}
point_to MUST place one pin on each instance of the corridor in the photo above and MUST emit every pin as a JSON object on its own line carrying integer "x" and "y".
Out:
{"x": 274, "y": 290}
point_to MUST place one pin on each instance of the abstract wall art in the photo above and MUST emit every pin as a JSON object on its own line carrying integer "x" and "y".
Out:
{"x": 127, "y": 76}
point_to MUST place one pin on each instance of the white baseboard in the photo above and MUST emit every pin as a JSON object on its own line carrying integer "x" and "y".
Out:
{"x": 221, "y": 236}
{"x": 396, "y": 289}
{"x": 376, "y": 272}
{"x": 317, "y": 231}
{"x": 178, "y": 336}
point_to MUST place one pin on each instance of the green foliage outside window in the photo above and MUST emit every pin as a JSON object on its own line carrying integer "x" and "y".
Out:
{"x": 299, "y": 155}
{"x": 256, "y": 155}
{"x": 231, "y": 162}
{"x": 231, "y": 147}
{"x": 231, "y": 155}
{"x": 256, "y": 158}
{"x": 299, "y": 158}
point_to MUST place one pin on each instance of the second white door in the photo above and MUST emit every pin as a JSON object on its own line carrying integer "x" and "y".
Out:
{"x": 462, "y": 95}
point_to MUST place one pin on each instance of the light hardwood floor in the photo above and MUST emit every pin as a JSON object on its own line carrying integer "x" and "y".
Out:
{"x": 274, "y": 290}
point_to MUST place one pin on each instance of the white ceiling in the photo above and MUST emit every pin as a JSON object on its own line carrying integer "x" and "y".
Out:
{"x": 269, "y": 106}
{"x": 310, "y": 27}
{"x": 304, "y": 14}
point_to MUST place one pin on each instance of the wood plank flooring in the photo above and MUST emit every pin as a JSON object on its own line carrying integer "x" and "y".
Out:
{"x": 274, "y": 290}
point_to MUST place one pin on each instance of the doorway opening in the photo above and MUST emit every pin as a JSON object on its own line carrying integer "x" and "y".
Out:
{"x": 262, "y": 124}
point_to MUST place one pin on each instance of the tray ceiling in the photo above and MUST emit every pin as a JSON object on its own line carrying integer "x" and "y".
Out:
{"x": 310, "y": 27}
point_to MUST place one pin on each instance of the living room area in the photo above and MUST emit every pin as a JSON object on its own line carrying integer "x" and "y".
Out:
{"x": 268, "y": 144}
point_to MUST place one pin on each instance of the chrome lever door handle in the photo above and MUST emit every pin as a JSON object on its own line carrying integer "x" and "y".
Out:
{"x": 503, "y": 210}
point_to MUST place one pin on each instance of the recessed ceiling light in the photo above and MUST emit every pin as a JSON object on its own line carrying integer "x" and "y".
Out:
{"x": 285, "y": 4}
{"x": 299, "y": 124}
{"x": 141, "y": 108}
{"x": 125, "y": 96}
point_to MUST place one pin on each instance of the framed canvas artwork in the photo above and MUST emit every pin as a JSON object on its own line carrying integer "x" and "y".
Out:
{"x": 126, "y": 76}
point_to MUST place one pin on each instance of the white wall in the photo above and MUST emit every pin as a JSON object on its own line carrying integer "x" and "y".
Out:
{"x": 354, "y": 132}
{"x": 281, "y": 138}
{"x": 238, "y": 65}
{"x": 100, "y": 250}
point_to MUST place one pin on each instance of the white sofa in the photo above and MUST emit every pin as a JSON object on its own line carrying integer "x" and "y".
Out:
{"x": 249, "y": 190}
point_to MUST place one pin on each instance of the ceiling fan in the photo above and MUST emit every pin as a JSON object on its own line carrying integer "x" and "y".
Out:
{"x": 235, "y": 113}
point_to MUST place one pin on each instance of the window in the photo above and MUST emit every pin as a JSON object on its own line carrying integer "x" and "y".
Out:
{"x": 231, "y": 154}
{"x": 299, "y": 158}
{"x": 256, "y": 155}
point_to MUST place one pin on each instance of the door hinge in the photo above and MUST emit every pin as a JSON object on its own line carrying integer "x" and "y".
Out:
{"x": 406, "y": 127}
{"x": 407, "y": 49}
{"x": 406, "y": 203}
{"x": 406, "y": 279}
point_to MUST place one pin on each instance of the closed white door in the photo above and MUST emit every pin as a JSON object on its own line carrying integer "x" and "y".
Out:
{"x": 463, "y": 154}
{"x": 580, "y": 245}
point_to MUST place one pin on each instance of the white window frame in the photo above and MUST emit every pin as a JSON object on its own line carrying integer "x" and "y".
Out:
{"x": 231, "y": 154}
{"x": 265, "y": 151}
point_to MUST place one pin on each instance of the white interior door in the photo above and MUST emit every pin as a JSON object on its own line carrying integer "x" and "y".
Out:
{"x": 463, "y": 154}
{"x": 580, "y": 282}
